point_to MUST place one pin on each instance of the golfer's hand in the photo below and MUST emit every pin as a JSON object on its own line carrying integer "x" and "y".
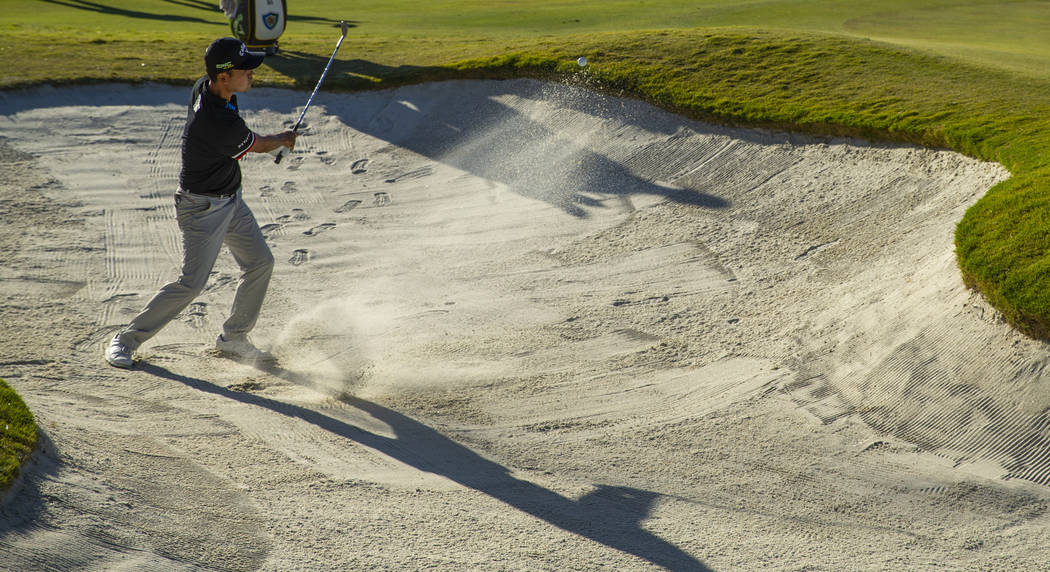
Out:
{"x": 285, "y": 143}
{"x": 288, "y": 139}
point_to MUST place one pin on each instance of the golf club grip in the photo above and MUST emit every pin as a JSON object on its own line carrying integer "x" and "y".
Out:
{"x": 285, "y": 150}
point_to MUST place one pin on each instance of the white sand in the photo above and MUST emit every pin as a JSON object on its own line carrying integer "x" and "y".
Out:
{"x": 521, "y": 327}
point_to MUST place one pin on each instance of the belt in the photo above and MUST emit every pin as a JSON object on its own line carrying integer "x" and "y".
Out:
{"x": 211, "y": 195}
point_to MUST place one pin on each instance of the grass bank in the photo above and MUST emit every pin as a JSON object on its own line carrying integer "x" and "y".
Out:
{"x": 974, "y": 77}
{"x": 17, "y": 435}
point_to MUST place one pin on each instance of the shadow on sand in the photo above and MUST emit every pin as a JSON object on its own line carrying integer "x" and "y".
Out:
{"x": 475, "y": 131}
{"x": 609, "y": 515}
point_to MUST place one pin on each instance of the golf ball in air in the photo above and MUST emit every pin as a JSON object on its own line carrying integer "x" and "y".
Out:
{"x": 582, "y": 61}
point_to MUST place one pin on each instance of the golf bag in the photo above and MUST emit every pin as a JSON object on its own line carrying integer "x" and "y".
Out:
{"x": 257, "y": 23}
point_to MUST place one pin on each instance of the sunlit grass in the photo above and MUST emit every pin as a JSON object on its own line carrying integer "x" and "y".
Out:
{"x": 17, "y": 434}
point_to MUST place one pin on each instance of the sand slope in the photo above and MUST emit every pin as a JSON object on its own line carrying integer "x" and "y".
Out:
{"x": 521, "y": 327}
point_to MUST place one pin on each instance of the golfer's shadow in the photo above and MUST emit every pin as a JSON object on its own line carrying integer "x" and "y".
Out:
{"x": 609, "y": 515}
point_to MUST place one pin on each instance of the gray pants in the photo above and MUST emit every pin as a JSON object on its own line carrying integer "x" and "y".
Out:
{"x": 206, "y": 223}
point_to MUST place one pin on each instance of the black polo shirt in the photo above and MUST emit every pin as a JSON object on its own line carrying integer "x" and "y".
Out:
{"x": 214, "y": 139}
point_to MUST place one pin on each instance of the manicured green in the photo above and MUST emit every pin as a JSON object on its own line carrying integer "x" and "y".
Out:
{"x": 973, "y": 76}
{"x": 1010, "y": 35}
{"x": 17, "y": 435}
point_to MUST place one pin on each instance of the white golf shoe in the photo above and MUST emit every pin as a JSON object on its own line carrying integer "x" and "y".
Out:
{"x": 241, "y": 349}
{"x": 118, "y": 355}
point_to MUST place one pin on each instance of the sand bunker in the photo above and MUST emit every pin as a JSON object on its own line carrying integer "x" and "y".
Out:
{"x": 521, "y": 326}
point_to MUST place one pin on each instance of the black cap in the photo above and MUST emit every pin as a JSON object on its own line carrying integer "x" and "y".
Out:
{"x": 227, "y": 54}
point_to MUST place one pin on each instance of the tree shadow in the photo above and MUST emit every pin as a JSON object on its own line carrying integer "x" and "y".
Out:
{"x": 335, "y": 23}
{"x": 203, "y": 5}
{"x": 609, "y": 515}
{"x": 113, "y": 11}
{"x": 473, "y": 130}
{"x": 211, "y": 8}
{"x": 305, "y": 69}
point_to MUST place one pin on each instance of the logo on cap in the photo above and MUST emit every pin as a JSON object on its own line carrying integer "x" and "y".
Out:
{"x": 227, "y": 54}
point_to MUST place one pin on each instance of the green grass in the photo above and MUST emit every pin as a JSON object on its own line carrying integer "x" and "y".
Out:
{"x": 17, "y": 435}
{"x": 972, "y": 76}
{"x": 1010, "y": 35}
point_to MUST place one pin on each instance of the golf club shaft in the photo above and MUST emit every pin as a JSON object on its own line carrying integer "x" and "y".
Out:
{"x": 284, "y": 150}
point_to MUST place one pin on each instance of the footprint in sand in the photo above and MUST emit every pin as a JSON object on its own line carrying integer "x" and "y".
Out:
{"x": 381, "y": 199}
{"x": 219, "y": 282}
{"x": 288, "y": 187}
{"x": 297, "y": 215}
{"x": 358, "y": 167}
{"x": 410, "y": 175}
{"x": 299, "y": 256}
{"x": 319, "y": 228}
{"x": 246, "y": 386}
{"x": 325, "y": 157}
{"x": 295, "y": 163}
{"x": 271, "y": 229}
{"x": 348, "y": 206}
{"x": 196, "y": 314}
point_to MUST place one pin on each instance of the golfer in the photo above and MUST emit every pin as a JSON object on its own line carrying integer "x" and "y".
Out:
{"x": 210, "y": 210}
